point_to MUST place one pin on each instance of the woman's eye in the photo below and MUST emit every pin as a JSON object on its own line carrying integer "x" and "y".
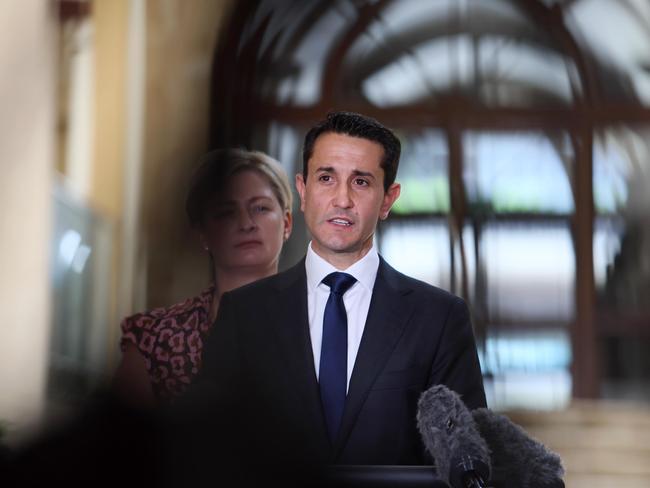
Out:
{"x": 220, "y": 214}
{"x": 260, "y": 209}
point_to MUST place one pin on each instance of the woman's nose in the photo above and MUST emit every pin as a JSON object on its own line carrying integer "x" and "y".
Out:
{"x": 246, "y": 220}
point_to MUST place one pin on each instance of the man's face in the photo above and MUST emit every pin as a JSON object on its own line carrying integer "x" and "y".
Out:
{"x": 343, "y": 196}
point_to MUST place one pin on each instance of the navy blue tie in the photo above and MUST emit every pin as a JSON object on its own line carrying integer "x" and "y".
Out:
{"x": 333, "y": 373}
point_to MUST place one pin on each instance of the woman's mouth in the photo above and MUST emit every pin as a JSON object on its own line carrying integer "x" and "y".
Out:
{"x": 246, "y": 244}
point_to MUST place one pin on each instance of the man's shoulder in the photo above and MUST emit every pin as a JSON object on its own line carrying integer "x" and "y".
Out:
{"x": 414, "y": 285}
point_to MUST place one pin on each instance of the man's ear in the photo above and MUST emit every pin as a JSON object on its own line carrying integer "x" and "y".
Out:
{"x": 389, "y": 198}
{"x": 300, "y": 186}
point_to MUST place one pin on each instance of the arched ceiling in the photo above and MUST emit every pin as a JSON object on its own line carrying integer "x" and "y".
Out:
{"x": 483, "y": 62}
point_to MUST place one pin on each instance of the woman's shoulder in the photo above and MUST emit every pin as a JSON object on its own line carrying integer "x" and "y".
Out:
{"x": 170, "y": 316}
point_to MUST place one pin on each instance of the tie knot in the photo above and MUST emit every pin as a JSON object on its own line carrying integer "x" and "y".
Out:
{"x": 338, "y": 282}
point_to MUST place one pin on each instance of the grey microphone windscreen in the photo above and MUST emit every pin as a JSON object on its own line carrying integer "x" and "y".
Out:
{"x": 450, "y": 435}
{"x": 517, "y": 459}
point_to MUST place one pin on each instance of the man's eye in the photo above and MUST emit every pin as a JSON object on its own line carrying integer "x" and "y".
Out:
{"x": 361, "y": 182}
{"x": 325, "y": 178}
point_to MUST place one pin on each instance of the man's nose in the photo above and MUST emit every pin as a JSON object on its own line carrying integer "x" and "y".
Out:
{"x": 343, "y": 196}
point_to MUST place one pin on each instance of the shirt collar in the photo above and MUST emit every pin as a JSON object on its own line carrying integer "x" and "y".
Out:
{"x": 364, "y": 270}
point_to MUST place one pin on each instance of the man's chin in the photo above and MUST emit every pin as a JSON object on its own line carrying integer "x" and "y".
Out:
{"x": 338, "y": 246}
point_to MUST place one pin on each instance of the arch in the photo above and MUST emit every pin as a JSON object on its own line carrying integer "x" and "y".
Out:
{"x": 258, "y": 55}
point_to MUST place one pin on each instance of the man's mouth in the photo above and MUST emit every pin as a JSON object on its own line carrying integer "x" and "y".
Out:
{"x": 340, "y": 221}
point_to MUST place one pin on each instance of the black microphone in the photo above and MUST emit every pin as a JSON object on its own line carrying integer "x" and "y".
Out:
{"x": 517, "y": 459}
{"x": 450, "y": 435}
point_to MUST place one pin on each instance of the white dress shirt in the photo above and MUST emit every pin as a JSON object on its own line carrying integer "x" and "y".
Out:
{"x": 356, "y": 300}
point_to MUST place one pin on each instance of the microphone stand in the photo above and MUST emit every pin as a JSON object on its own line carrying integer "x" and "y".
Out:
{"x": 468, "y": 472}
{"x": 472, "y": 480}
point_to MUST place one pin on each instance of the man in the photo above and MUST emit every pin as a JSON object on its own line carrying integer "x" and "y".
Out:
{"x": 323, "y": 375}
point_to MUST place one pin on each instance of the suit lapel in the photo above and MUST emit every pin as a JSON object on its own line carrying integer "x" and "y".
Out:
{"x": 292, "y": 330}
{"x": 387, "y": 317}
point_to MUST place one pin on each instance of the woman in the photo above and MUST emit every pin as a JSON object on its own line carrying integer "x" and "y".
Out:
{"x": 240, "y": 204}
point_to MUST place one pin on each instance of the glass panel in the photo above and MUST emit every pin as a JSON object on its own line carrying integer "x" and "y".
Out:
{"x": 529, "y": 288}
{"x": 622, "y": 258}
{"x": 622, "y": 170}
{"x": 527, "y": 369}
{"x": 418, "y": 51}
{"x": 408, "y": 15}
{"x": 530, "y": 271}
{"x": 399, "y": 83}
{"x": 296, "y": 70}
{"x": 608, "y": 234}
{"x": 612, "y": 169}
{"x": 80, "y": 266}
{"x": 518, "y": 172}
{"x": 621, "y": 250}
{"x": 284, "y": 144}
{"x": 423, "y": 173}
{"x": 418, "y": 249}
{"x": 519, "y": 75}
{"x": 422, "y": 72}
{"x": 465, "y": 270}
{"x": 530, "y": 279}
{"x": 508, "y": 74}
{"x": 617, "y": 36}
{"x": 405, "y": 14}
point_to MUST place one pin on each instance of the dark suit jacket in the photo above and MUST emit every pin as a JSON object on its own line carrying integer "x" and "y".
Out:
{"x": 259, "y": 363}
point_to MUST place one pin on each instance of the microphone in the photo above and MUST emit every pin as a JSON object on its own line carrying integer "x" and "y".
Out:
{"x": 517, "y": 458}
{"x": 452, "y": 438}
{"x": 482, "y": 446}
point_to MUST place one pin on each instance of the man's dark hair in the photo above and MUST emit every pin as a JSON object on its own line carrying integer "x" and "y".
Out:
{"x": 356, "y": 125}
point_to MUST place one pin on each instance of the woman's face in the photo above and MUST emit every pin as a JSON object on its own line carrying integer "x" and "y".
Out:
{"x": 244, "y": 227}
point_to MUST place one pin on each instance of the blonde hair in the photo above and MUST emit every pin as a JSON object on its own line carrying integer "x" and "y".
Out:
{"x": 269, "y": 167}
{"x": 217, "y": 167}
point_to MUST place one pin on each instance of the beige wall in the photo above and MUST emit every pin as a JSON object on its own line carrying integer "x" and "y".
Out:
{"x": 153, "y": 62}
{"x": 110, "y": 19}
{"x": 118, "y": 32}
{"x": 142, "y": 152}
{"x": 181, "y": 38}
{"x": 152, "y": 65}
{"x": 27, "y": 130}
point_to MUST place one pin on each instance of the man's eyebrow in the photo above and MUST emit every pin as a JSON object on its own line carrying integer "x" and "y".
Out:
{"x": 358, "y": 172}
{"x": 355, "y": 172}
